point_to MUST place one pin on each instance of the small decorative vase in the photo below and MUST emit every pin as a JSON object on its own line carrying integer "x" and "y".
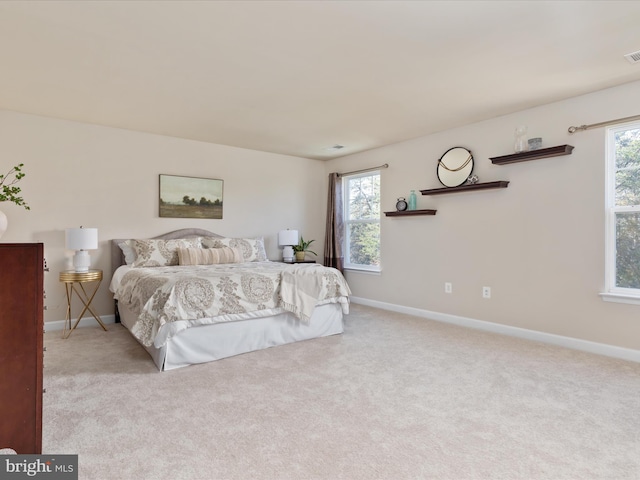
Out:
{"x": 535, "y": 143}
{"x": 413, "y": 200}
{"x": 299, "y": 256}
{"x": 3, "y": 223}
{"x": 521, "y": 144}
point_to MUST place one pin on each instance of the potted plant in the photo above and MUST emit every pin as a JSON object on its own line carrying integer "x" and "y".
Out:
{"x": 9, "y": 192}
{"x": 302, "y": 248}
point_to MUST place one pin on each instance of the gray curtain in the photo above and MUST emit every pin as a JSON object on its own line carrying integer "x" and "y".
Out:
{"x": 333, "y": 256}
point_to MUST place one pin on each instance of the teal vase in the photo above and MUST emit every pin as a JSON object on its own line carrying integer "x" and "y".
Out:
{"x": 413, "y": 200}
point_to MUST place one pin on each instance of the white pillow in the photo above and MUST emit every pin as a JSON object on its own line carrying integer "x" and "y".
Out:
{"x": 252, "y": 248}
{"x": 209, "y": 256}
{"x": 128, "y": 251}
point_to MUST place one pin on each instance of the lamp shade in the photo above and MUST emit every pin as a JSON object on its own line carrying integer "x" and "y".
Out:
{"x": 287, "y": 237}
{"x": 81, "y": 238}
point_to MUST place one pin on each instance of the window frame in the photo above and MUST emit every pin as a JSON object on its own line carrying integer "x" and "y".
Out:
{"x": 612, "y": 292}
{"x": 347, "y": 222}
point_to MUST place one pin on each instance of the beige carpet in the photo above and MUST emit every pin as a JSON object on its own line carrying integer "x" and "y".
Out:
{"x": 395, "y": 397}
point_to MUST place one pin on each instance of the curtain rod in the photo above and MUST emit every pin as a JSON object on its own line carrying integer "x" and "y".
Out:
{"x": 386, "y": 165}
{"x": 610, "y": 122}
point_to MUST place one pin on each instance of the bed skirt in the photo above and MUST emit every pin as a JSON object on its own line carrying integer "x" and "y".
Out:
{"x": 206, "y": 343}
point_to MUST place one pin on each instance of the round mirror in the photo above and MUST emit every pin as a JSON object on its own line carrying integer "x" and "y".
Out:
{"x": 455, "y": 166}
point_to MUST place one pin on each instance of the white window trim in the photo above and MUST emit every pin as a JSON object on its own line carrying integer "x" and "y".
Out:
{"x": 613, "y": 293}
{"x": 621, "y": 298}
{"x": 363, "y": 271}
{"x": 371, "y": 269}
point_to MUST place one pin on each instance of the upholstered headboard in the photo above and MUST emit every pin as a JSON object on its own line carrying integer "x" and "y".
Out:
{"x": 117, "y": 256}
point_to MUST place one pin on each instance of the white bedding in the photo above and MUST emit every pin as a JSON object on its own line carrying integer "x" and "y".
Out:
{"x": 170, "y": 302}
{"x": 207, "y": 343}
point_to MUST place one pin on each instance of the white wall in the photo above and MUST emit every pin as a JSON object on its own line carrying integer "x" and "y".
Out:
{"x": 539, "y": 244}
{"x": 80, "y": 174}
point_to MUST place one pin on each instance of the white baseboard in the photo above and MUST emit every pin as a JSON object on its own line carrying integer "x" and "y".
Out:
{"x": 550, "y": 338}
{"x": 85, "y": 322}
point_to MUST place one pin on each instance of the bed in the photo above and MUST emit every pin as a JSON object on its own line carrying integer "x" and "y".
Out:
{"x": 187, "y": 310}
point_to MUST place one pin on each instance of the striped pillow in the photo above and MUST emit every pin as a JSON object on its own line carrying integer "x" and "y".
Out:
{"x": 209, "y": 256}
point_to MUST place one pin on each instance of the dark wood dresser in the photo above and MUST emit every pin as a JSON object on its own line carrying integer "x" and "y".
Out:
{"x": 21, "y": 349}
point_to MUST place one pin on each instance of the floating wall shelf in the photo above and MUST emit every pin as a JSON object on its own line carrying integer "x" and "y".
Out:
{"x": 533, "y": 155}
{"x": 466, "y": 188}
{"x": 408, "y": 213}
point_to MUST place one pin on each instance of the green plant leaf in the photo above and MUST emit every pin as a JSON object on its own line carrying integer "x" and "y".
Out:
{"x": 8, "y": 191}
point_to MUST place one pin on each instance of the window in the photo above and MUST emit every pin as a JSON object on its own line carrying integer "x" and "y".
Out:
{"x": 362, "y": 221}
{"x": 623, "y": 212}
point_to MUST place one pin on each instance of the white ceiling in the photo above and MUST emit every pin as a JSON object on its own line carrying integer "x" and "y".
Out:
{"x": 297, "y": 77}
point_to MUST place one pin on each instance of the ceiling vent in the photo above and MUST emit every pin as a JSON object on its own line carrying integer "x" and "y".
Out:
{"x": 633, "y": 57}
{"x": 335, "y": 148}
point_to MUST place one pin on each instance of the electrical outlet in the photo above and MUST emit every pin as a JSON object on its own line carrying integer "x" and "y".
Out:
{"x": 486, "y": 292}
{"x": 448, "y": 288}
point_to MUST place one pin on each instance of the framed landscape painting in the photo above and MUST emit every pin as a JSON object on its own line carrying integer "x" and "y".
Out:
{"x": 190, "y": 197}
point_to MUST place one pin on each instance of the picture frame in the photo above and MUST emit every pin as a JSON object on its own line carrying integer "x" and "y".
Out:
{"x": 190, "y": 197}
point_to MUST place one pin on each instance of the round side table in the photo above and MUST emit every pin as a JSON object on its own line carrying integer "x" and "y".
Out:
{"x": 75, "y": 282}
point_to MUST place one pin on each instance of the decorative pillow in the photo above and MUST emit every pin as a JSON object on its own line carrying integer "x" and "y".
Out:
{"x": 160, "y": 253}
{"x": 252, "y": 248}
{"x": 209, "y": 256}
{"x": 127, "y": 250}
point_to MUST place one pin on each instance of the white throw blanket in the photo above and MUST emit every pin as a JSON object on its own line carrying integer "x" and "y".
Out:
{"x": 302, "y": 287}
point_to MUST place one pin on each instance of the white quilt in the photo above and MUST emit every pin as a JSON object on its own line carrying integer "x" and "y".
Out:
{"x": 196, "y": 295}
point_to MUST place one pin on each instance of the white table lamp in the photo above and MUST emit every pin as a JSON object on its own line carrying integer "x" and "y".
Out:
{"x": 287, "y": 238}
{"x": 81, "y": 240}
